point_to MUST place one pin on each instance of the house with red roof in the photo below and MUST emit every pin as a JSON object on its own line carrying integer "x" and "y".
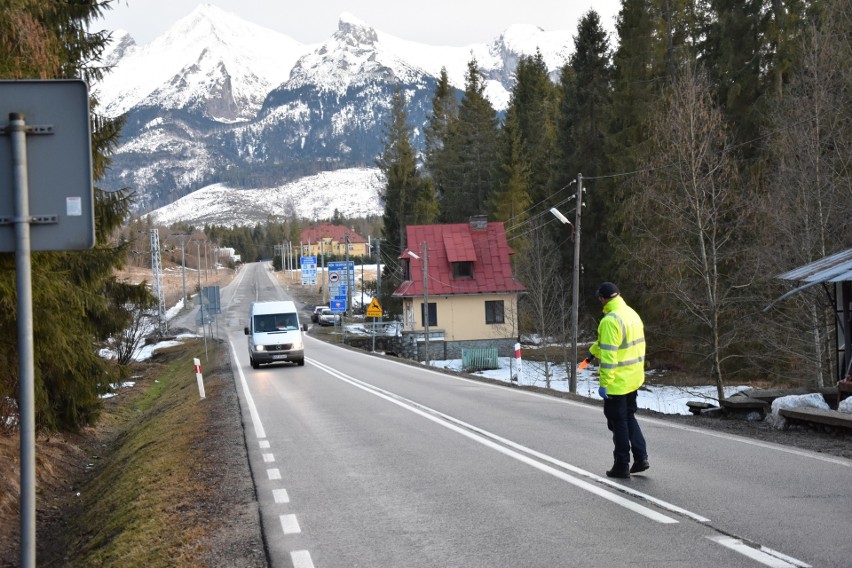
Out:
{"x": 330, "y": 240}
{"x": 471, "y": 292}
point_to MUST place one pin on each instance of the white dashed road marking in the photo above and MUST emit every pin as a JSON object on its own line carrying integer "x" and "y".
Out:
{"x": 280, "y": 496}
{"x": 289, "y": 524}
{"x": 301, "y": 559}
{"x": 273, "y": 473}
{"x": 268, "y": 458}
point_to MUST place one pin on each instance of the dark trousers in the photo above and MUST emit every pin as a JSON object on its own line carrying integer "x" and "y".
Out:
{"x": 620, "y": 413}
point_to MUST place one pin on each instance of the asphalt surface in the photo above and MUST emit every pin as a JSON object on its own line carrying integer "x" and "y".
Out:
{"x": 359, "y": 460}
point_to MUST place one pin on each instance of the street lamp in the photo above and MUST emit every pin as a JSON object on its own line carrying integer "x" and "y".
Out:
{"x": 575, "y": 296}
{"x": 413, "y": 255}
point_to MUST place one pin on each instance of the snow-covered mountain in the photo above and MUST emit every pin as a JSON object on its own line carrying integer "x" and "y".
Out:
{"x": 353, "y": 192}
{"x": 218, "y": 100}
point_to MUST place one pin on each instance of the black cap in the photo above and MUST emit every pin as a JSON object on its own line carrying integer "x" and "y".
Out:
{"x": 607, "y": 290}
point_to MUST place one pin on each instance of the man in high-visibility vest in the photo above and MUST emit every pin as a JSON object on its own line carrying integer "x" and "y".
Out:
{"x": 621, "y": 350}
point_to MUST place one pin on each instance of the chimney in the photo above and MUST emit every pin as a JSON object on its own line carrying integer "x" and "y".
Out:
{"x": 478, "y": 223}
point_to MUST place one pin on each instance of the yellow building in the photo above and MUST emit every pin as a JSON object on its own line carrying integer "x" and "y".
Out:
{"x": 330, "y": 240}
{"x": 472, "y": 294}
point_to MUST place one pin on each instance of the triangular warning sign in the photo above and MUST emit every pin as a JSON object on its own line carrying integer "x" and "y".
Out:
{"x": 374, "y": 310}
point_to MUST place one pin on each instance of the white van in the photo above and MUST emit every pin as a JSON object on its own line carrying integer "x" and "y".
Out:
{"x": 274, "y": 334}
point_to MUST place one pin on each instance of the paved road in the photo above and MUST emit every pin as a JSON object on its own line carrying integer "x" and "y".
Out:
{"x": 364, "y": 461}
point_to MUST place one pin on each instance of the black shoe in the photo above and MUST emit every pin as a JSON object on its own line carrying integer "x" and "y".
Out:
{"x": 619, "y": 470}
{"x": 639, "y": 466}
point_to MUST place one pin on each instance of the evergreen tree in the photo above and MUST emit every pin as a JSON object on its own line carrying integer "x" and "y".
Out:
{"x": 77, "y": 301}
{"x": 534, "y": 101}
{"x": 472, "y": 161}
{"x": 407, "y": 197}
{"x": 443, "y": 119}
{"x": 511, "y": 202}
{"x": 585, "y": 86}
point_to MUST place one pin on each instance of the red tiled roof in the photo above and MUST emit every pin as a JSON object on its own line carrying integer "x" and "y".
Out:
{"x": 487, "y": 249}
{"x": 334, "y": 232}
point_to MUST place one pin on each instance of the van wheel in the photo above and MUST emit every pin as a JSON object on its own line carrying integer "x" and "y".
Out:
{"x": 300, "y": 362}
{"x": 254, "y": 364}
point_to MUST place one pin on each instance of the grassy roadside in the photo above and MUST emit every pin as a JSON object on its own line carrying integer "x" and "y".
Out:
{"x": 162, "y": 481}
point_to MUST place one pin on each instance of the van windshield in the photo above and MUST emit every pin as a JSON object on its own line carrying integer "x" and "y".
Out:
{"x": 275, "y": 322}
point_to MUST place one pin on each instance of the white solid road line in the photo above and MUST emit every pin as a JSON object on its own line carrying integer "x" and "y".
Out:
{"x": 765, "y": 556}
{"x": 485, "y": 441}
{"x": 259, "y": 432}
{"x": 655, "y": 421}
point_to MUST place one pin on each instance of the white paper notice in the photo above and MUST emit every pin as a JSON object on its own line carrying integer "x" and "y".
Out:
{"x": 74, "y": 206}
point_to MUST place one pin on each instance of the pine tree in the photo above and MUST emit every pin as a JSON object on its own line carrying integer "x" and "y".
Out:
{"x": 77, "y": 301}
{"x": 407, "y": 197}
{"x": 441, "y": 123}
{"x": 585, "y": 86}
{"x": 472, "y": 159}
{"x": 511, "y": 202}
{"x": 534, "y": 100}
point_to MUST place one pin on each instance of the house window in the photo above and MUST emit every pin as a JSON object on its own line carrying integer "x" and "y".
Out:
{"x": 463, "y": 270}
{"x": 494, "y": 311}
{"x": 433, "y": 313}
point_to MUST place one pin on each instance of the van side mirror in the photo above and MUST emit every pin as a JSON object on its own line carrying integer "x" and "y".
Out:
{"x": 246, "y": 330}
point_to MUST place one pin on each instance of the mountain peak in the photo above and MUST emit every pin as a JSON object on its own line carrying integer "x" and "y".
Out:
{"x": 356, "y": 30}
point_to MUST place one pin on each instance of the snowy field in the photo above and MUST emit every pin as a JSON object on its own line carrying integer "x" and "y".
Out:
{"x": 664, "y": 399}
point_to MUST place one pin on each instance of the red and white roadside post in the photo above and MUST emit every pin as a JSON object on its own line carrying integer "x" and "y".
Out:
{"x": 519, "y": 375}
{"x": 199, "y": 377}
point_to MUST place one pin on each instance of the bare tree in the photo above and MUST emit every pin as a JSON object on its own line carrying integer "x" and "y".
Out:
{"x": 687, "y": 222}
{"x": 539, "y": 270}
{"x": 143, "y": 321}
{"x": 810, "y": 202}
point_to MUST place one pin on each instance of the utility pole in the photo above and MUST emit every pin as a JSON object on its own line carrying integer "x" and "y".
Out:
{"x": 426, "y": 297}
{"x": 182, "y": 237}
{"x": 379, "y": 270}
{"x": 350, "y": 277}
{"x": 157, "y": 285}
{"x": 198, "y": 255}
{"x": 575, "y": 292}
{"x": 575, "y": 297}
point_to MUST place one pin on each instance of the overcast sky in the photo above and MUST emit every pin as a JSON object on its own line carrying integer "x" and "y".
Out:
{"x": 433, "y": 22}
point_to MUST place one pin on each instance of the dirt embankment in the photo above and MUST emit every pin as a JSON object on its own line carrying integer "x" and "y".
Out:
{"x": 163, "y": 480}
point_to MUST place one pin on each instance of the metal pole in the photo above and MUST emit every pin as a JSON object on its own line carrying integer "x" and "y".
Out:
{"x": 575, "y": 299}
{"x": 183, "y": 267}
{"x": 23, "y": 279}
{"x": 426, "y": 297}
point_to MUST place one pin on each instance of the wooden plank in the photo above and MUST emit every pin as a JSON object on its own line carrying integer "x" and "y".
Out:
{"x": 744, "y": 403}
{"x": 819, "y": 415}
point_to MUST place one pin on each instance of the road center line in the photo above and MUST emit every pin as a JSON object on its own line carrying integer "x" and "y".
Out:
{"x": 480, "y": 438}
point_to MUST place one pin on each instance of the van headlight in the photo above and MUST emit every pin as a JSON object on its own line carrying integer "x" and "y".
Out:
{"x": 258, "y": 347}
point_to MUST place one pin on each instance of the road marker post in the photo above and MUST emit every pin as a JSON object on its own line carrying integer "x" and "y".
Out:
{"x": 199, "y": 377}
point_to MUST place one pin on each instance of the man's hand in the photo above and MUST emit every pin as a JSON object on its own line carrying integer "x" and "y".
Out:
{"x": 602, "y": 392}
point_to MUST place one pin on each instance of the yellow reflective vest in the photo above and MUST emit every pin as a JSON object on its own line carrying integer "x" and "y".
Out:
{"x": 620, "y": 348}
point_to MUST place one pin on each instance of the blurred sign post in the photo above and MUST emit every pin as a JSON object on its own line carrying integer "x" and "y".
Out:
{"x": 309, "y": 270}
{"x": 341, "y": 275}
{"x": 49, "y": 128}
{"x": 374, "y": 310}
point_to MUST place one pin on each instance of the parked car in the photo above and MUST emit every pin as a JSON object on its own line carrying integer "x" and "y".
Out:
{"x": 316, "y": 313}
{"x": 327, "y": 317}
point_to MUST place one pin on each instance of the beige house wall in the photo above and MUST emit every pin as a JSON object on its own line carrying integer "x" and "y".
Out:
{"x": 332, "y": 247}
{"x": 462, "y": 318}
